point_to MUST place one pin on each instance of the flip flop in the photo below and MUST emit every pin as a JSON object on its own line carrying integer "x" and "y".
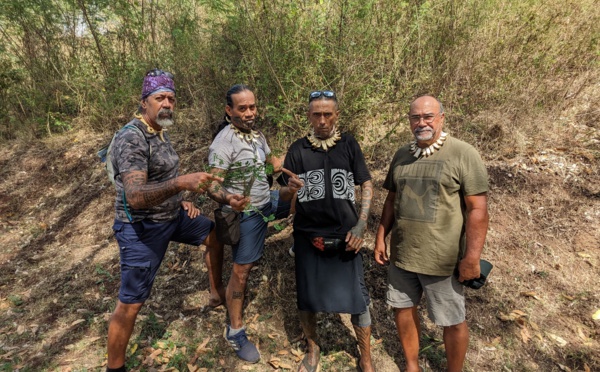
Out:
{"x": 310, "y": 368}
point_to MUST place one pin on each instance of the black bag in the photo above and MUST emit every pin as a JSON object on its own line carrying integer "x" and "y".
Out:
{"x": 486, "y": 268}
{"x": 227, "y": 226}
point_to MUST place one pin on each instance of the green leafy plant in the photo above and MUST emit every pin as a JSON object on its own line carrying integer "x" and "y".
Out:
{"x": 74, "y": 64}
{"x": 103, "y": 274}
{"x": 242, "y": 175}
{"x": 15, "y": 300}
{"x": 152, "y": 328}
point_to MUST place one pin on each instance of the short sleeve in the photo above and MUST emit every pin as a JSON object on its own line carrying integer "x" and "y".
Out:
{"x": 389, "y": 183}
{"x": 266, "y": 147}
{"x": 474, "y": 173}
{"x": 360, "y": 170}
{"x": 219, "y": 153}
{"x": 131, "y": 151}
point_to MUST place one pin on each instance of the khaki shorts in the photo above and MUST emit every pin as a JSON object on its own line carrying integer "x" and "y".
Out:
{"x": 444, "y": 294}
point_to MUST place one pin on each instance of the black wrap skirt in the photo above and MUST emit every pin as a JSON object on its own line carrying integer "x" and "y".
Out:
{"x": 329, "y": 281}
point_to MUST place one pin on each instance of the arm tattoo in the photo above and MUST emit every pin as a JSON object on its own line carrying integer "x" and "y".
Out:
{"x": 366, "y": 199}
{"x": 141, "y": 195}
{"x": 218, "y": 193}
{"x": 365, "y": 205}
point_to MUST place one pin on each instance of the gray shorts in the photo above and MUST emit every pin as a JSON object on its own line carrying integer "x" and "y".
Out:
{"x": 444, "y": 294}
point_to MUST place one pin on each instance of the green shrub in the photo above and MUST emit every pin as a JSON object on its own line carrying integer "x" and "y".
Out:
{"x": 72, "y": 64}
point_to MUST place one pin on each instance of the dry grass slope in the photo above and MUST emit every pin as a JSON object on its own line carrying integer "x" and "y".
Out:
{"x": 520, "y": 81}
{"x": 59, "y": 271}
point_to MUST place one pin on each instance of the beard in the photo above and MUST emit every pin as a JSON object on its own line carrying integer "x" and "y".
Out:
{"x": 244, "y": 126}
{"x": 165, "y": 118}
{"x": 424, "y": 134}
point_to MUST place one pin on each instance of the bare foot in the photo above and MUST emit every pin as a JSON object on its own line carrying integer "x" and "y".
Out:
{"x": 218, "y": 299}
{"x": 310, "y": 363}
{"x": 215, "y": 302}
{"x": 366, "y": 365}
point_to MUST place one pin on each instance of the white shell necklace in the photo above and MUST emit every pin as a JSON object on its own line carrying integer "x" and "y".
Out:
{"x": 418, "y": 152}
{"x": 248, "y": 137}
{"x": 326, "y": 143}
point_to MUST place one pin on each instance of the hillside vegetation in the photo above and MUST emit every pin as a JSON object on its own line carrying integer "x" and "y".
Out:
{"x": 496, "y": 64}
{"x": 520, "y": 80}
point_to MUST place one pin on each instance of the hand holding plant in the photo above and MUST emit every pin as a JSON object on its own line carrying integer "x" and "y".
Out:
{"x": 238, "y": 202}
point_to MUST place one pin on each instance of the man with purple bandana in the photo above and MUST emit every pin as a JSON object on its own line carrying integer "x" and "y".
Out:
{"x": 150, "y": 210}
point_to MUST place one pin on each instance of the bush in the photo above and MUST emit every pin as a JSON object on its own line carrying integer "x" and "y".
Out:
{"x": 80, "y": 63}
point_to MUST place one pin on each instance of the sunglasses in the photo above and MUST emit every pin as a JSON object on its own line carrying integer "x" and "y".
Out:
{"x": 321, "y": 93}
{"x": 159, "y": 72}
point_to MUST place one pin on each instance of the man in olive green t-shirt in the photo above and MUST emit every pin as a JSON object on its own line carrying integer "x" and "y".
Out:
{"x": 436, "y": 211}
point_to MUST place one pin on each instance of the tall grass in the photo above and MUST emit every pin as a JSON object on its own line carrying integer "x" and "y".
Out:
{"x": 492, "y": 62}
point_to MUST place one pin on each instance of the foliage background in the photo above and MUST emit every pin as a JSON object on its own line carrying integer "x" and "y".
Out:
{"x": 520, "y": 80}
{"x": 496, "y": 64}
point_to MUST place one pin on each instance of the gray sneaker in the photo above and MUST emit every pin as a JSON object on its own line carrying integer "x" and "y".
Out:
{"x": 244, "y": 349}
{"x": 292, "y": 252}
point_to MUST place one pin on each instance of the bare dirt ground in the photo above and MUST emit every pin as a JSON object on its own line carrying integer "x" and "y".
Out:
{"x": 59, "y": 273}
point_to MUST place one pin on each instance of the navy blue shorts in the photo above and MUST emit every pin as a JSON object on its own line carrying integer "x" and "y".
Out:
{"x": 142, "y": 247}
{"x": 253, "y": 230}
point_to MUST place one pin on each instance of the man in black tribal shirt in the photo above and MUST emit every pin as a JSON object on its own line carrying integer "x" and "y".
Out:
{"x": 323, "y": 168}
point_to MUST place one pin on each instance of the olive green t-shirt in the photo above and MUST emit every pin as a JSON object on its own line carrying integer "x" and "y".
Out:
{"x": 428, "y": 235}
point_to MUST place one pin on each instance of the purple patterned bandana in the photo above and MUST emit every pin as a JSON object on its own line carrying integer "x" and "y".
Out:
{"x": 157, "y": 84}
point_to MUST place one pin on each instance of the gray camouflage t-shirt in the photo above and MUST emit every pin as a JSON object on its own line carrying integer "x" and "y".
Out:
{"x": 245, "y": 165}
{"x": 133, "y": 152}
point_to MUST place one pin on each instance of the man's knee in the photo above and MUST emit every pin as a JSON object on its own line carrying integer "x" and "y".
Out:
{"x": 126, "y": 312}
{"x": 457, "y": 333}
{"x": 241, "y": 272}
{"x": 457, "y": 327}
{"x": 212, "y": 240}
{"x": 404, "y": 310}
